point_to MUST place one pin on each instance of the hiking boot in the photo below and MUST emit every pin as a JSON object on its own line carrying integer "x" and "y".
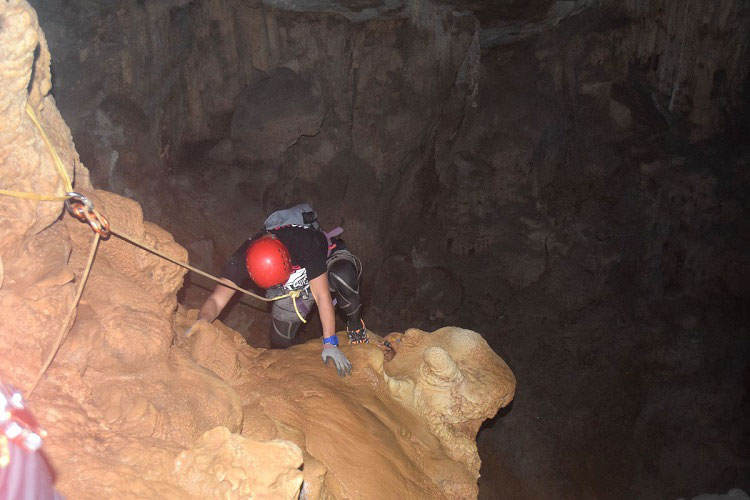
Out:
{"x": 358, "y": 336}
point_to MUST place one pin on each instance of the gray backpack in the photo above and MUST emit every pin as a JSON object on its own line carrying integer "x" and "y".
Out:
{"x": 301, "y": 215}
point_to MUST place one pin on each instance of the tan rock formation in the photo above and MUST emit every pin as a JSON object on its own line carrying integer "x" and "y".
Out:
{"x": 136, "y": 410}
{"x": 453, "y": 379}
{"x": 243, "y": 468}
{"x": 424, "y": 407}
{"x": 36, "y": 286}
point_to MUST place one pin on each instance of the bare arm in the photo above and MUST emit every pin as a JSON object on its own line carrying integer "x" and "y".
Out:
{"x": 322, "y": 296}
{"x": 216, "y": 302}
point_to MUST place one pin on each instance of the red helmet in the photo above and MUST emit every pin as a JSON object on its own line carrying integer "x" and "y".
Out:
{"x": 268, "y": 261}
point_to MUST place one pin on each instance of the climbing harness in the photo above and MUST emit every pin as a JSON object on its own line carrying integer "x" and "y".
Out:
{"x": 83, "y": 209}
{"x": 336, "y": 231}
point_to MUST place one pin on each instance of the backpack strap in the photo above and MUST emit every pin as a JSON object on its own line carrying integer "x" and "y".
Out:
{"x": 330, "y": 235}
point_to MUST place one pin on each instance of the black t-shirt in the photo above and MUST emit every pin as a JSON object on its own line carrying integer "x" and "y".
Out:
{"x": 308, "y": 250}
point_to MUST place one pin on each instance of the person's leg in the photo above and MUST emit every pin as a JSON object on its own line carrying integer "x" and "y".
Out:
{"x": 283, "y": 333}
{"x": 285, "y": 322}
{"x": 344, "y": 280}
{"x": 344, "y": 271}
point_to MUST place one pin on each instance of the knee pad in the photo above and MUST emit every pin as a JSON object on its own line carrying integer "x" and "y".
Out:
{"x": 344, "y": 281}
{"x": 343, "y": 277}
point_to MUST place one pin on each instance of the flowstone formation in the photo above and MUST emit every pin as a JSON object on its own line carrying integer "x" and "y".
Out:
{"x": 403, "y": 428}
{"x": 134, "y": 409}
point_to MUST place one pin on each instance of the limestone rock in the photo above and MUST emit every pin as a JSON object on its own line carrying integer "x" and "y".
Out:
{"x": 395, "y": 411}
{"x": 176, "y": 402}
{"x": 454, "y": 379}
{"x": 218, "y": 349}
{"x": 228, "y": 466}
{"x": 37, "y": 287}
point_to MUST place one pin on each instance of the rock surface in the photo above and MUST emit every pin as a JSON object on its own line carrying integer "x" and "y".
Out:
{"x": 428, "y": 422}
{"x": 245, "y": 468}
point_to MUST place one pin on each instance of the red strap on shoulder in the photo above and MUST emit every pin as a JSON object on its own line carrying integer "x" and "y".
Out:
{"x": 336, "y": 231}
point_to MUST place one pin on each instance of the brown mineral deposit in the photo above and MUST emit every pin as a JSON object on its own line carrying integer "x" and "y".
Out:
{"x": 414, "y": 418}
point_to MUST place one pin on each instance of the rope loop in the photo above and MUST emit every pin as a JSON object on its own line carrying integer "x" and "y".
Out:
{"x": 294, "y": 294}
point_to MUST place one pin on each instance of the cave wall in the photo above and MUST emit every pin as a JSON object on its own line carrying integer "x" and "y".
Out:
{"x": 603, "y": 233}
{"x": 211, "y": 114}
{"x": 175, "y": 90}
{"x": 581, "y": 175}
{"x": 696, "y": 53}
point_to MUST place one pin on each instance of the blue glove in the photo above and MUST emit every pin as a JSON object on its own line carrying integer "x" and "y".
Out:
{"x": 343, "y": 366}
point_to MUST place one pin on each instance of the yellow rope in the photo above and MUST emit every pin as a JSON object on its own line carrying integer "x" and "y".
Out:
{"x": 55, "y": 158}
{"x": 32, "y": 196}
{"x": 61, "y": 335}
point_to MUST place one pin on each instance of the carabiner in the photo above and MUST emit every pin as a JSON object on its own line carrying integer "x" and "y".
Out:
{"x": 82, "y": 208}
{"x": 78, "y": 198}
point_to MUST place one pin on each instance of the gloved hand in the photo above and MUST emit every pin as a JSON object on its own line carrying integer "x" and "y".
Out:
{"x": 343, "y": 366}
{"x": 195, "y": 327}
